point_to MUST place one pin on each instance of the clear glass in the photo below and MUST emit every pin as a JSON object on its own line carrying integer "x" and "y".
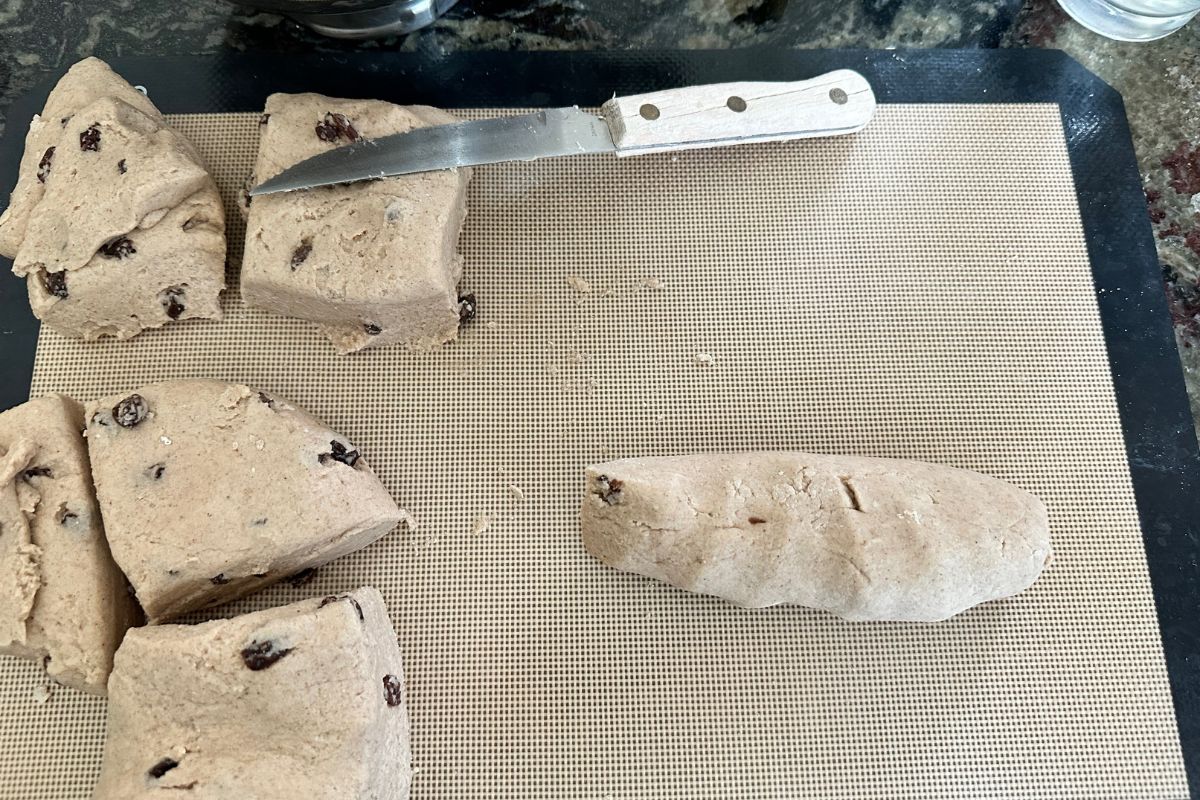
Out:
{"x": 1132, "y": 20}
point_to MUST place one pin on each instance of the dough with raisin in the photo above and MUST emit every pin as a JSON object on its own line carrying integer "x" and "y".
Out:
{"x": 83, "y": 83}
{"x": 20, "y": 558}
{"x": 862, "y": 538}
{"x": 212, "y": 490}
{"x": 127, "y": 231}
{"x": 300, "y": 701}
{"x": 62, "y": 599}
{"x": 176, "y": 267}
{"x": 373, "y": 263}
{"x": 89, "y": 203}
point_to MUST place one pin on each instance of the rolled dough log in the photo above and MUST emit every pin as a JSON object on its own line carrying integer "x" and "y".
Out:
{"x": 862, "y": 538}
{"x": 299, "y": 701}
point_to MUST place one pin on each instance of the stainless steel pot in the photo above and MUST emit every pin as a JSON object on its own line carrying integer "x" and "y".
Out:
{"x": 357, "y": 19}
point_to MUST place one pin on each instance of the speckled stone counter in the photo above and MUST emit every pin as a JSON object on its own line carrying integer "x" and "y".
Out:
{"x": 1160, "y": 81}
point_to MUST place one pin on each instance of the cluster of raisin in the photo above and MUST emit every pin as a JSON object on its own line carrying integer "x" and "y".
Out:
{"x": 336, "y": 126}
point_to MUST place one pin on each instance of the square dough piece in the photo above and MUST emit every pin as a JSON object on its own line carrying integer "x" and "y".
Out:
{"x": 374, "y": 263}
{"x": 300, "y": 701}
{"x": 63, "y": 601}
{"x": 212, "y": 490}
{"x": 83, "y": 83}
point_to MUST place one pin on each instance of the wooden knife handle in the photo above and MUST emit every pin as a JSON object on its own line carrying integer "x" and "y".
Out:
{"x": 723, "y": 114}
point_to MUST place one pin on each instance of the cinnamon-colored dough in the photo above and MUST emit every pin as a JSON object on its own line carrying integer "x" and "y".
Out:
{"x": 212, "y": 490}
{"x": 299, "y": 701}
{"x": 374, "y": 262}
{"x": 863, "y": 538}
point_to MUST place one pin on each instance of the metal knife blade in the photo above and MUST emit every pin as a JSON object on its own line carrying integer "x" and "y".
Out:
{"x": 553, "y": 132}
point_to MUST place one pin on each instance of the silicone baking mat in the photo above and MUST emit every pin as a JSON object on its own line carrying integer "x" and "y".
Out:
{"x": 919, "y": 290}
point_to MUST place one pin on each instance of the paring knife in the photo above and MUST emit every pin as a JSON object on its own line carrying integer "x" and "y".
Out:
{"x": 717, "y": 115}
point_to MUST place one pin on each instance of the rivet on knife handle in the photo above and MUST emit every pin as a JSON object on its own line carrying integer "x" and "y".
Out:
{"x": 737, "y": 113}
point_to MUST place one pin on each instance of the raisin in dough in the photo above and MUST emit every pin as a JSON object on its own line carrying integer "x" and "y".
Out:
{"x": 862, "y": 538}
{"x": 84, "y": 82}
{"x": 300, "y": 701}
{"x": 62, "y": 599}
{"x": 374, "y": 263}
{"x": 128, "y": 230}
{"x": 212, "y": 490}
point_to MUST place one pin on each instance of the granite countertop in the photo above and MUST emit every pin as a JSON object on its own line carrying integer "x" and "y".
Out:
{"x": 1160, "y": 81}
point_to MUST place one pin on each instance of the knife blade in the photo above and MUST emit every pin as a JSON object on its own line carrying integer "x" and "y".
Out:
{"x": 553, "y": 132}
{"x": 716, "y": 115}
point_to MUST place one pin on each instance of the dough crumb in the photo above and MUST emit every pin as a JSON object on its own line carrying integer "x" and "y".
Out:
{"x": 42, "y": 693}
{"x": 704, "y": 359}
{"x": 165, "y": 439}
{"x": 517, "y": 492}
{"x": 650, "y": 282}
{"x": 482, "y": 524}
{"x": 578, "y": 284}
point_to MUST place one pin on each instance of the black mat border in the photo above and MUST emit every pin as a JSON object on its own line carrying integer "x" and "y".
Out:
{"x": 1159, "y": 433}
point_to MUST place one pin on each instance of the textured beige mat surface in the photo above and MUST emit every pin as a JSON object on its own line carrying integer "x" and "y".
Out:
{"x": 919, "y": 290}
